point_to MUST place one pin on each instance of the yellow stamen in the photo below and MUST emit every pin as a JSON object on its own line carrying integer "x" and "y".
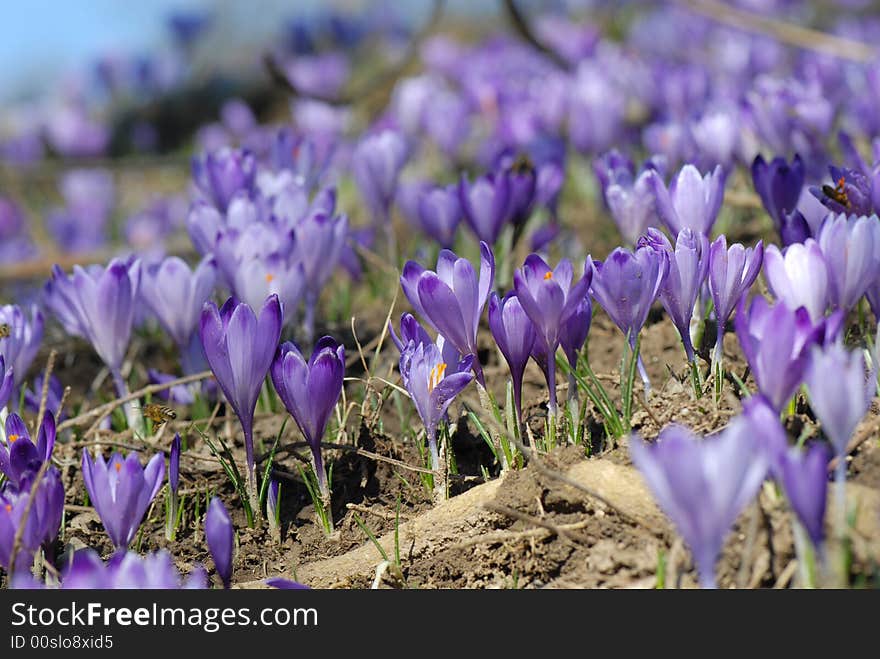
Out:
{"x": 12, "y": 438}
{"x": 118, "y": 466}
{"x": 269, "y": 277}
{"x": 436, "y": 375}
{"x": 548, "y": 275}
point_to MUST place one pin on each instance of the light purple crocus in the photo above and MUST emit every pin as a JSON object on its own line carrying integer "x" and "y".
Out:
{"x": 692, "y": 201}
{"x": 629, "y": 197}
{"x": 451, "y": 299}
{"x": 798, "y": 276}
{"x": 702, "y": 484}
{"x": 688, "y": 269}
{"x": 128, "y": 570}
{"x": 310, "y": 390}
{"x": 626, "y": 285}
{"x": 272, "y": 503}
{"x": 21, "y": 346}
{"x": 436, "y": 210}
{"x": 514, "y": 334}
{"x": 376, "y": 164}
{"x": 803, "y": 474}
{"x": 272, "y": 274}
{"x": 731, "y": 273}
{"x": 20, "y": 457}
{"x": 776, "y": 341}
{"x": 320, "y": 240}
{"x": 220, "y": 536}
{"x": 239, "y": 346}
{"x": 851, "y": 247}
{"x": 550, "y": 298}
{"x": 432, "y": 384}
{"x": 121, "y": 491}
{"x": 176, "y": 295}
{"x": 42, "y": 523}
{"x": 221, "y": 174}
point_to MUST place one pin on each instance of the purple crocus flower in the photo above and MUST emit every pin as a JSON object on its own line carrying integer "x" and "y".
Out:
{"x": 851, "y": 192}
{"x": 410, "y": 331}
{"x": 731, "y": 273}
{"x": 628, "y": 196}
{"x": 798, "y": 276}
{"x": 688, "y": 269}
{"x": 433, "y": 385}
{"x": 451, "y": 299}
{"x": 626, "y": 285}
{"x": 221, "y": 174}
{"x": 128, "y": 570}
{"x": 21, "y": 346}
{"x": 176, "y": 295}
{"x": 851, "y": 247}
{"x": 174, "y": 464}
{"x": 33, "y": 395}
{"x": 376, "y": 164}
{"x": 803, "y": 475}
{"x": 285, "y": 584}
{"x": 20, "y": 458}
{"x": 7, "y": 382}
{"x": 272, "y": 274}
{"x": 121, "y": 491}
{"x": 779, "y": 185}
{"x": 436, "y": 210}
{"x": 840, "y": 390}
{"x": 272, "y": 502}
{"x": 702, "y": 484}
{"x": 514, "y": 334}
{"x": 310, "y": 390}
{"x": 574, "y": 331}
{"x": 239, "y": 346}
{"x": 776, "y": 342}
{"x": 43, "y": 520}
{"x": 180, "y": 394}
{"x": 485, "y": 204}
{"x": 320, "y": 240}
{"x": 550, "y": 298}
{"x": 220, "y": 535}
{"x": 692, "y": 201}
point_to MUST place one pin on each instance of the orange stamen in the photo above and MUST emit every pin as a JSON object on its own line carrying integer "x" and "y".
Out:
{"x": 12, "y": 438}
{"x": 436, "y": 375}
{"x": 118, "y": 466}
{"x": 548, "y": 275}
{"x": 269, "y": 277}
{"x": 8, "y": 507}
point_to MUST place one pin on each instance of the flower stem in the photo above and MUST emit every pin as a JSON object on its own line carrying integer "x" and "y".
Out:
{"x": 323, "y": 486}
{"x": 251, "y": 469}
{"x": 132, "y": 416}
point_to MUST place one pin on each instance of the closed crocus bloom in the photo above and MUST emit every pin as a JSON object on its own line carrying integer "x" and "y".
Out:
{"x": 19, "y": 348}
{"x": 273, "y": 274}
{"x": 702, "y": 484}
{"x": 7, "y": 382}
{"x": 514, "y": 334}
{"x": 121, "y": 491}
{"x": 574, "y": 331}
{"x": 550, "y": 298}
{"x": 128, "y": 570}
{"x": 376, "y": 164}
{"x": 779, "y": 185}
{"x": 731, "y": 273}
{"x": 451, "y": 299}
{"x": 776, "y": 341}
{"x": 239, "y": 346}
{"x": 42, "y": 522}
{"x": 20, "y": 458}
{"x": 841, "y": 390}
{"x": 803, "y": 474}
{"x": 432, "y": 384}
{"x": 221, "y": 539}
{"x": 688, "y": 268}
{"x": 320, "y": 240}
{"x": 176, "y": 294}
{"x": 852, "y": 192}
{"x": 310, "y": 390}
{"x": 629, "y": 198}
{"x": 486, "y": 204}
{"x": 798, "y": 276}
{"x": 174, "y": 464}
{"x": 851, "y": 247}
{"x": 204, "y": 223}
{"x": 219, "y": 175}
{"x": 236, "y": 248}
{"x": 692, "y": 201}
{"x": 439, "y": 213}
{"x": 410, "y": 331}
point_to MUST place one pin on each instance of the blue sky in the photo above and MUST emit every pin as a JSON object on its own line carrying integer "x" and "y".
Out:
{"x": 40, "y": 39}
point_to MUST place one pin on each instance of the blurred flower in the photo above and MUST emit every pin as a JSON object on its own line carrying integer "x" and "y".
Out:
{"x": 7, "y": 382}
{"x": 376, "y": 164}
{"x": 549, "y": 298}
{"x": 121, "y": 491}
{"x": 514, "y": 334}
{"x": 221, "y": 174}
{"x": 630, "y": 198}
{"x": 803, "y": 474}
{"x": 310, "y": 391}
{"x": 221, "y": 539}
{"x": 485, "y": 204}
{"x": 451, "y": 299}
{"x": 435, "y": 210}
{"x": 176, "y": 294}
{"x": 21, "y": 346}
{"x": 798, "y": 277}
{"x": 692, "y": 201}
{"x": 273, "y": 274}
{"x": 731, "y": 273}
{"x": 702, "y": 484}
{"x": 128, "y": 570}
{"x": 41, "y": 524}
{"x": 239, "y": 346}
{"x": 851, "y": 247}
{"x": 779, "y": 185}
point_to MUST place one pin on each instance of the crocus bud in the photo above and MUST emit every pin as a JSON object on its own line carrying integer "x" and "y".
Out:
{"x": 174, "y": 464}
{"x": 219, "y": 534}
{"x": 779, "y": 185}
